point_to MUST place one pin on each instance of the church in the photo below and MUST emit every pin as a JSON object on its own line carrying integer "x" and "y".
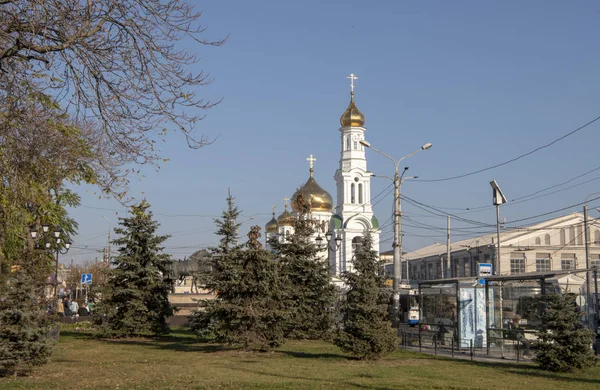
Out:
{"x": 340, "y": 227}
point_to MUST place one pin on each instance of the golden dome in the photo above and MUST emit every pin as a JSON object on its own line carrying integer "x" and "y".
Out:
{"x": 285, "y": 219}
{"x": 317, "y": 198}
{"x": 352, "y": 117}
{"x": 271, "y": 226}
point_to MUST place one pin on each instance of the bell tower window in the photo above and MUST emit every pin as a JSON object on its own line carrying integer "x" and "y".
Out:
{"x": 352, "y": 193}
{"x": 360, "y": 193}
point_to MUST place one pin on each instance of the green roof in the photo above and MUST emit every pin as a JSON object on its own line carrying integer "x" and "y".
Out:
{"x": 375, "y": 222}
{"x": 337, "y": 221}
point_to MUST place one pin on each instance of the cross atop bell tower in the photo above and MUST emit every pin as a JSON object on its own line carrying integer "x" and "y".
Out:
{"x": 352, "y": 77}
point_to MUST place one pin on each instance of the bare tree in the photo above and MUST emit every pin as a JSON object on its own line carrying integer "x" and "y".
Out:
{"x": 111, "y": 61}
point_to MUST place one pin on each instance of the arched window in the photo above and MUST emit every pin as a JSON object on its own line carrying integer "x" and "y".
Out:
{"x": 597, "y": 237}
{"x": 352, "y": 193}
{"x": 538, "y": 241}
{"x": 563, "y": 237}
{"x": 355, "y": 145}
{"x": 348, "y": 143}
{"x": 571, "y": 235}
{"x": 360, "y": 193}
{"x": 547, "y": 239}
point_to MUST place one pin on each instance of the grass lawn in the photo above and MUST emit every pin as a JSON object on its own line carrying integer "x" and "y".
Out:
{"x": 180, "y": 362}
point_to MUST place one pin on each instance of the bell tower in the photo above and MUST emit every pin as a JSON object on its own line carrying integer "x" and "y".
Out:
{"x": 353, "y": 212}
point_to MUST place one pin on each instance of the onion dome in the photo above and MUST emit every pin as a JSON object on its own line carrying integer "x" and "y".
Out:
{"x": 271, "y": 226}
{"x": 318, "y": 199}
{"x": 285, "y": 219}
{"x": 352, "y": 117}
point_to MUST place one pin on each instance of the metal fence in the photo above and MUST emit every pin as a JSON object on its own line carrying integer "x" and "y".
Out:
{"x": 438, "y": 340}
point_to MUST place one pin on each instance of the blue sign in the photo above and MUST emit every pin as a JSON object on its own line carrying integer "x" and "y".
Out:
{"x": 86, "y": 278}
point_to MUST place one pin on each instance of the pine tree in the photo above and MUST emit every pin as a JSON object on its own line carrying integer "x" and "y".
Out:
{"x": 135, "y": 299}
{"x": 563, "y": 343}
{"x": 25, "y": 327}
{"x": 249, "y": 310}
{"x": 366, "y": 330}
{"x": 228, "y": 228}
{"x": 224, "y": 269}
{"x": 310, "y": 293}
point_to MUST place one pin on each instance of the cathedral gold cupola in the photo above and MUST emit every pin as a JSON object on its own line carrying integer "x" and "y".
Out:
{"x": 352, "y": 117}
{"x": 311, "y": 192}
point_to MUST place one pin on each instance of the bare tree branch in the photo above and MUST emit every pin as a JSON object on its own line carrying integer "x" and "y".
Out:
{"x": 111, "y": 61}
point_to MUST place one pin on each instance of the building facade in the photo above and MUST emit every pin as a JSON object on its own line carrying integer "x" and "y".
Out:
{"x": 556, "y": 244}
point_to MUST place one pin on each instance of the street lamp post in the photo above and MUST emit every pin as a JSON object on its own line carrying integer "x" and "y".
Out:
{"x": 397, "y": 245}
{"x": 61, "y": 246}
{"x": 337, "y": 243}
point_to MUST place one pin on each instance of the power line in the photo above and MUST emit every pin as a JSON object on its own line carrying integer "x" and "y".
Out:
{"x": 554, "y": 211}
{"x": 513, "y": 159}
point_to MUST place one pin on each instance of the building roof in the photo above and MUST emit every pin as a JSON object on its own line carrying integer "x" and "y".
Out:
{"x": 507, "y": 238}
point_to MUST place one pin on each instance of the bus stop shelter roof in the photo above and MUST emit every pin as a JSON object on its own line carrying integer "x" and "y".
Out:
{"x": 502, "y": 278}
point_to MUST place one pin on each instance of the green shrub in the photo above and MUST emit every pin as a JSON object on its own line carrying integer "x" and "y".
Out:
{"x": 563, "y": 344}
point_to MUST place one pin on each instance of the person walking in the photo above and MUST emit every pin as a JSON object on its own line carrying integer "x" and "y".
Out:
{"x": 74, "y": 307}
{"x": 60, "y": 308}
{"x": 67, "y": 307}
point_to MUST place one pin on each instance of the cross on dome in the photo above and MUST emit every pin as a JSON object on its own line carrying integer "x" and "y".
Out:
{"x": 311, "y": 161}
{"x": 352, "y": 77}
{"x": 286, "y": 200}
{"x": 273, "y": 208}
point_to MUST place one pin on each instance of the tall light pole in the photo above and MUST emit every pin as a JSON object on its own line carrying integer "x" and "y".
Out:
{"x": 586, "y": 238}
{"x": 61, "y": 246}
{"x": 397, "y": 245}
{"x": 498, "y": 199}
{"x": 337, "y": 242}
{"x": 108, "y": 242}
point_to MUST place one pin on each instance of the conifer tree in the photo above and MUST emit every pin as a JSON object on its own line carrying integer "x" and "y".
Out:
{"x": 366, "y": 330}
{"x": 224, "y": 268}
{"x": 310, "y": 293}
{"x": 563, "y": 343}
{"x": 228, "y": 228}
{"x": 24, "y": 325}
{"x": 249, "y": 309}
{"x": 135, "y": 300}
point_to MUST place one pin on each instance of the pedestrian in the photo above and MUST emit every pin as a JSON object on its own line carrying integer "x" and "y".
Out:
{"x": 60, "y": 308}
{"x": 74, "y": 307}
{"x": 67, "y": 307}
{"x": 520, "y": 335}
{"x": 90, "y": 306}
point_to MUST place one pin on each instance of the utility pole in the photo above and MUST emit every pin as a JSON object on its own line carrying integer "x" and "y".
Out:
{"x": 447, "y": 253}
{"x": 108, "y": 247}
{"x": 588, "y": 287}
{"x": 397, "y": 249}
{"x": 397, "y": 245}
{"x": 108, "y": 242}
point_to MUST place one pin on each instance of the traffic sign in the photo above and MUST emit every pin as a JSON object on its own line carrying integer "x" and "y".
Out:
{"x": 485, "y": 269}
{"x": 86, "y": 278}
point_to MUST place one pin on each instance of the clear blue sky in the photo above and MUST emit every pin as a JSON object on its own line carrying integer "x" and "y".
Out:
{"x": 484, "y": 81}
